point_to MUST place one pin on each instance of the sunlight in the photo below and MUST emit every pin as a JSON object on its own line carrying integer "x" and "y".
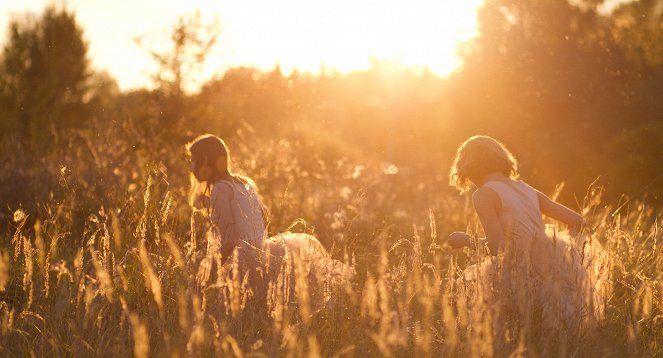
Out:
{"x": 348, "y": 35}
{"x": 308, "y": 35}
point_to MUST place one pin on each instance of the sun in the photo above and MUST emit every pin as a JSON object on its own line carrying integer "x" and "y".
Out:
{"x": 346, "y": 35}
{"x": 306, "y": 35}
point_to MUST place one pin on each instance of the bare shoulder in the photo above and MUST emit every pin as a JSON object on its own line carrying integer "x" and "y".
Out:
{"x": 544, "y": 200}
{"x": 486, "y": 198}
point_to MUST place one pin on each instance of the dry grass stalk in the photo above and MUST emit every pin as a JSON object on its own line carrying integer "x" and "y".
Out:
{"x": 151, "y": 279}
{"x": 28, "y": 282}
{"x": 5, "y": 264}
{"x": 102, "y": 276}
{"x": 141, "y": 337}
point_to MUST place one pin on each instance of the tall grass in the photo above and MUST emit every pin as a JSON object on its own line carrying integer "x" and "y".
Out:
{"x": 112, "y": 259}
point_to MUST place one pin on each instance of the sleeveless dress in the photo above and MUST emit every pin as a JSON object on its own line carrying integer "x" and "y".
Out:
{"x": 541, "y": 271}
{"x": 238, "y": 217}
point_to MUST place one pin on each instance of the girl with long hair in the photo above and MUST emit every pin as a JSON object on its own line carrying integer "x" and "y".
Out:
{"x": 239, "y": 221}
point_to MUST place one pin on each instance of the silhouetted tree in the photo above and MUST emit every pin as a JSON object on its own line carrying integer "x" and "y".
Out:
{"x": 636, "y": 27}
{"x": 44, "y": 70}
{"x": 191, "y": 44}
{"x": 179, "y": 73}
{"x": 547, "y": 78}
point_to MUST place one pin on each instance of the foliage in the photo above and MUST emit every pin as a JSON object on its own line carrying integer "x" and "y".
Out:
{"x": 554, "y": 79}
{"x": 43, "y": 76}
{"x": 192, "y": 41}
{"x": 101, "y": 251}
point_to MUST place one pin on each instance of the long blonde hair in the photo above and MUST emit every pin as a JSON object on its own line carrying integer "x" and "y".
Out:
{"x": 479, "y": 156}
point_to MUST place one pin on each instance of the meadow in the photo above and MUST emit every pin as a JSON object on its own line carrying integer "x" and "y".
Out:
{"x": 103, "y": 243}
{"x": 136, "y": 275}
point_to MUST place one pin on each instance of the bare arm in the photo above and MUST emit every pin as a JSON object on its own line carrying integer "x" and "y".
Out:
{"x": 487, "y": 204}
{"x": 560, "y": 212}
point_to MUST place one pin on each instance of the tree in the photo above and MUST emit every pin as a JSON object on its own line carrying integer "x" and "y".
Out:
{"x": 191, "y": 43}
{"x": 545, "y": 77}
{"x": 43, "y": 75}
{"x": 179, "y": 71}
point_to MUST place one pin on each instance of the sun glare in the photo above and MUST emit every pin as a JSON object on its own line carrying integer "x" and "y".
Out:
{"x": 307, "y": 35}
{"x": 348, "y": 35}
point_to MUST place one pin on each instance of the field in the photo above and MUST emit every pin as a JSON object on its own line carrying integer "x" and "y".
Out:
{"x": 104, "y": 246}
{"x": 136, "y": 276}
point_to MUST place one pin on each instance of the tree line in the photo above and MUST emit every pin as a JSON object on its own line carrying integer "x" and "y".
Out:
{"x": 573, "y": 90}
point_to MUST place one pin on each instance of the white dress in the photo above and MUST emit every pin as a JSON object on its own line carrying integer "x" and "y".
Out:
{"x": 541, "y": 270}
{"x": 237, "y": 214}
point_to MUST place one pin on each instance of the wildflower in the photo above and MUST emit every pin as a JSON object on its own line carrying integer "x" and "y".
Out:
{"x": 19, "y": 215}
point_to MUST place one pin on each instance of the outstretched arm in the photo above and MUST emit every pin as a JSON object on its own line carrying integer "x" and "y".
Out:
{"x": 560, "y": 212}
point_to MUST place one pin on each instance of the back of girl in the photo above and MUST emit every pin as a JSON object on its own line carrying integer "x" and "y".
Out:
{"x": 238, "y": 212}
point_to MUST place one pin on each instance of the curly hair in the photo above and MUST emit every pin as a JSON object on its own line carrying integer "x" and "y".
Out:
{"x": 477, "y": 157}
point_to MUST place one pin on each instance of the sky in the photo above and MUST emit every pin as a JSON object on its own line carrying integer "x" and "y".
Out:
{"x": 307, "y": 35}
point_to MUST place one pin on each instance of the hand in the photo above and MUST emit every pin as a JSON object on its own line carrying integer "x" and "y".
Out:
{"x": 201, "y": 202}
{"x": 459, "y": 239}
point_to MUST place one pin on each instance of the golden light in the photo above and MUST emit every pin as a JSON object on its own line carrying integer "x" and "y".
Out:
{"x": 307, "y": 35}
{"x": 347, "y": 35}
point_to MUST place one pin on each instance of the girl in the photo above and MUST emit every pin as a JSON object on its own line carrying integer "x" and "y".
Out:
{"x": 236, "y": 209}
{"x": 238, "y": 219}
{"x": 531, "y": 268}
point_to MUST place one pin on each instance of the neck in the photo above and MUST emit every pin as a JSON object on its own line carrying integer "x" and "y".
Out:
{"x": 495, "y": 176}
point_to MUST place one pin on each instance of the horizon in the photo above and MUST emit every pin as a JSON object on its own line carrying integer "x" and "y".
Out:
{"x": 424, "y": 37}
